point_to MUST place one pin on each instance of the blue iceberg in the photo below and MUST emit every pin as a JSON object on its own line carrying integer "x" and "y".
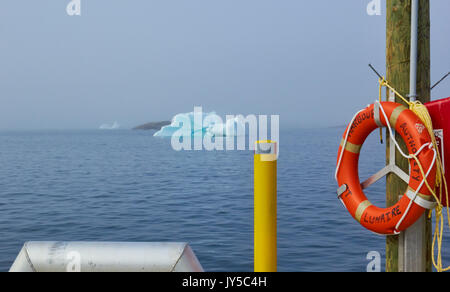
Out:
{"x": 198, "y": 123}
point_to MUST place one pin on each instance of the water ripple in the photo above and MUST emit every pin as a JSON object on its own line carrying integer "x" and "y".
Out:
{"x": 129, "y": 186}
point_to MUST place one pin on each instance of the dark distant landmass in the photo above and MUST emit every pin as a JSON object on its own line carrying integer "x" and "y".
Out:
{"x": 152, "y": 126}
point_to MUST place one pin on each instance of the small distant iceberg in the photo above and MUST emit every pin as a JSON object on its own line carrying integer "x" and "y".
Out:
{"x": 113, "y": 126}
{"x": 198, "y": 123}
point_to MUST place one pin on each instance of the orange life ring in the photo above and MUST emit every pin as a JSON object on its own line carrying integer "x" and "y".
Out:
{"x": 402, "y": 215}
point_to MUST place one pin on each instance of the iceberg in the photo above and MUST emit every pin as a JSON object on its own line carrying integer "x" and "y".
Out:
{"x": 198, "y": 123}
{"x": 113, "y": 126}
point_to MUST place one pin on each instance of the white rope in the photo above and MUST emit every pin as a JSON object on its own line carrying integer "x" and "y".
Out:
{"x": 416, "y": 192}
{"x": 391, "y": 137}
{"x": 429, "y": 145}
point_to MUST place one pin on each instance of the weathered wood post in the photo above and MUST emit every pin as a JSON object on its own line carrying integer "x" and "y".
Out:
{"x": 411, "y": 250}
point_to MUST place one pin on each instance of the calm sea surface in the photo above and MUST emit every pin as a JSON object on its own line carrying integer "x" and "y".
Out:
{"x": 130, "y": 186}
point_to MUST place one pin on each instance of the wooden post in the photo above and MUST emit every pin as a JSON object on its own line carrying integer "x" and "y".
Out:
{"x": 398, "y": 43}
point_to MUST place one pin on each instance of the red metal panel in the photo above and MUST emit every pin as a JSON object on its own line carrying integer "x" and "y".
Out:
{"x": 440, "y": 114}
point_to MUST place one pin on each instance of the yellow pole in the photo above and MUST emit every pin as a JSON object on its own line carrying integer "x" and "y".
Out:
{"x": 265, "y": 181}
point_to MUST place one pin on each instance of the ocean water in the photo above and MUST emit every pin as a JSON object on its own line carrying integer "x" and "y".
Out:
{"x": 130, "y": 186}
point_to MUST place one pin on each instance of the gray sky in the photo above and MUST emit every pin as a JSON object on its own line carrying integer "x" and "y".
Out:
{"x": 147, "y": 60}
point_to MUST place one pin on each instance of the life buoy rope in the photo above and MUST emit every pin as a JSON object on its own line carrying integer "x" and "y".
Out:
{"x": 440, "y": 184}
{"x": 417, "y": 199}
{"x": 413, "y": 156}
